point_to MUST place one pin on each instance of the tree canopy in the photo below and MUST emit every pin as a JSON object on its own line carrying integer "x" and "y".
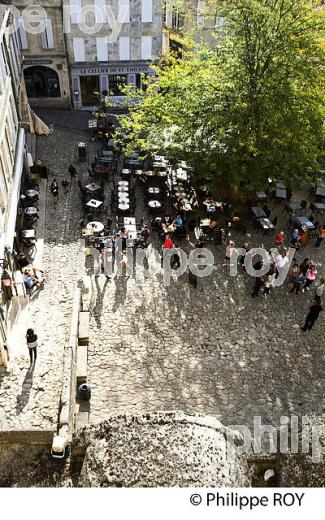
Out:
{"x": 245, "y": 104}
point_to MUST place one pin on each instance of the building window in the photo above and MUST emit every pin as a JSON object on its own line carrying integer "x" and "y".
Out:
{"x": 123, "y": 11}
{"x": 22, "y": 37}
{"x": 116, "y": 84}
{"x": 146, "y": 11}
{"x": 76, "y": 11}
{"x": 47, "y": 35}
{"x": 102, "y": 49}
{"x": 200, "y": 12}
{"x": 79, "y": 49}
{"x": 101, "y": 15}
{"x": 146, "y": 47}
{"x": 178, "y": 19}
{"x": 124, "y": 47}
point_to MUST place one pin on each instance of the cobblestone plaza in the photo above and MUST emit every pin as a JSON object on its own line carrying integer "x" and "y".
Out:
{"x": 213, "y": 350}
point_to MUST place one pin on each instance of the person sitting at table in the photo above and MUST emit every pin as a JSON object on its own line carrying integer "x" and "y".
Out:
{"x": 30, "y": 281}
{"x": 22, "y": 261}
{"x": 304, "y": 237}
{"x": 178, "y": 223}
{"x": 142, "y": 178}
{"x": 168, "y": 244}
{"x": 294, "y": 239}
{"x": 179, "y": 205}
{"x": 123, "y": 235}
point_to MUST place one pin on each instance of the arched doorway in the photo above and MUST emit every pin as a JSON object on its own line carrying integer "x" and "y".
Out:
{"x": 42, "y": 82}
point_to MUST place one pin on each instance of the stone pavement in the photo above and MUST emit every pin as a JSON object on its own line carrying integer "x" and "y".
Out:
{"x": 213, "y": 350}
{"x": 30, "y": 399}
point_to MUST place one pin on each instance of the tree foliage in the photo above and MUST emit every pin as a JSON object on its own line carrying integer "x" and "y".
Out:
{"x": 246, "y": 104}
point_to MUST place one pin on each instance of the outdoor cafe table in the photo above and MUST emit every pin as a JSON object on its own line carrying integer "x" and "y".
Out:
{"x": 281, "y": 193}
{"x": 205, "y": 222}
{"x": 123, "y": 189}
{"x": 266, "y": 223}
{"x": 96, "y": 227}
{"x": 304, "y": 222}
{"x": 125, "y": 171}
{"x": 261, "y": 195}
{"x": 320, "y": 192}
{"x": 93, "y": 203}
{"x": 129, "y": 221}
{"x": 258, "y": 212}
{"x": 154, "y": 204}
{"x": 28, "y": 233}
{"x": 93, "y": 187}
{"x": 124, "y": 199}
{"x": 318, "y": 206}
{"x": 154, "y": 191}
{"x": 294, "y": 206}
{"x": 181, "y": 175}
{"x": 123, "y": 183}
{"x": 30, "y": 194}
{"x": 123, "y": 206}
{"x": 30, "y": 211}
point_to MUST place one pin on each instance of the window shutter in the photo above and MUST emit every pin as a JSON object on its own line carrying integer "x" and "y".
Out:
{"x": 146, "y": 11}
{"x": 47, "y": 35}
{"x": 146, "y": 47}
{"x": 75, "y": 6}
{"x": 79, "y": 49}
{"x": 102, "y": 49}
{"x": 101, "y": 15}
{"x": 124, "y": 47}
{"x": 22, "y": 34}
{"x": 123, "y": 15}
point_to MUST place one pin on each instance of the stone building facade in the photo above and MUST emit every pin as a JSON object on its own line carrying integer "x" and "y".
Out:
{"x": 44, "y": 54}
{"x": 12, "y": 164}
{"x": 116, "y": 49}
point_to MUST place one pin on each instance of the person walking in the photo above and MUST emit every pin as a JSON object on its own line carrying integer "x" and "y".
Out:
{"x": 31, "y": 339}
{"x": 320, "y": 289}
{"x": 55, "y": 190}
{"x": 192, "y": 279}
{"x": 298, "y": 283}
{"x": 257, "y": 287}
{"x": 229, "y": 251}
{"x": 73, "y": 172}
{"x": 312, "y": 316}
{"x": 320, "y": 236}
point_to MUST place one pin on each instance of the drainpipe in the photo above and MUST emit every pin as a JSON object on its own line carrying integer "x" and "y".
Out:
{"x": 67, "y": 57}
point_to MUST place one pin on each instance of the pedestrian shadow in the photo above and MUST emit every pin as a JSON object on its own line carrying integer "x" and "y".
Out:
{"x": 98, "y": 307}
{"x": 121, "y": 290}
{"x": 22, "y": 399}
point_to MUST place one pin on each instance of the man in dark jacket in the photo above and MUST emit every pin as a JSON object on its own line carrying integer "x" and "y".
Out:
{"x": 312, "y": 316}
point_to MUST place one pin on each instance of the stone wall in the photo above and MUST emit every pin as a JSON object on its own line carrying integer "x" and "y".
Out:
{"x": 158, "y": 449}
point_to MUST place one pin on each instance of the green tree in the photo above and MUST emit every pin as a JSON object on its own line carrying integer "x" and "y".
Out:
{"x": 246, "y": 105}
